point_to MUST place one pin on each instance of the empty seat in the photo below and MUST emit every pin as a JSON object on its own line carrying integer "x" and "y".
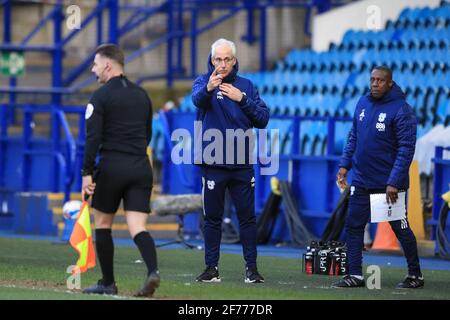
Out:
{"x": 329, "y": 83}
{"x": 443, "y": 109}
{"x": 157, "y": 143}
{"x": 342, "y": 130}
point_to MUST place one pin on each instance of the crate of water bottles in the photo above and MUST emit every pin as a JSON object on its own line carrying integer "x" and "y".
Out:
{"x": 326, "y": 258}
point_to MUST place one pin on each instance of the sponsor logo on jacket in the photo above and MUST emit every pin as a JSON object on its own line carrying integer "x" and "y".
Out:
{"x": 381, "y": 126}
{"x": 361, "y": 115}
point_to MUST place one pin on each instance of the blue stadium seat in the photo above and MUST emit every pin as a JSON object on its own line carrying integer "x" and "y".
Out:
{"x": 422, "y": 129}
{"x": 157, "y": 143}
{"x": 405, "y": 18}
{"x": 416, "y": 46}
{"x": 362, "y": 81}
{"x": 291, "y": 104}
{"x": 342, "y": 130}
{"x": 328, "y": 105}
{"x": 186, "y": 104}
{"x": 286, "y": 144}
{"x": 423, "y": 17}
{"x": 350, "y": 106}
{"x": 284, "y": 127}
{"x": 443, "y": 109}
{"x": 348, "y": 36}
{"x": 308, "y": 132}
{"x": 335, "y": 100}
{"x": 268, "y": 99}
{"x": 318, "y": 147}
{"x": 384, "y": 38}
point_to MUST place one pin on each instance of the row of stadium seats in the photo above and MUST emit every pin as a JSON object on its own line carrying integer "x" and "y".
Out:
{"x": 308, "y": 83}
{"x": 340, "y": 82}
{"x": 430, "y": 106}
{"x": 408, "y": 38}
{"x": 312, "y": 136}
{"x": 423, "y": 17}
{"x": 362, "y": 59}
{"x": 424, "y": 38}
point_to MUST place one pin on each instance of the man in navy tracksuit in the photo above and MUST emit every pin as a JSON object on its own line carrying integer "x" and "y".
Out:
{"x": 228, "y": 103}
{"x": 380, "y": 149}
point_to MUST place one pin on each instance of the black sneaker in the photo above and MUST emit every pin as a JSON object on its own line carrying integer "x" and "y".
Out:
{"x": 349, "y": 281}
{"x": 411, "y": 282}
{"x": 100, "y": 288}
{"x": 150, "y": 285}
{"x": 211, "y": 274}
{"x": 252, "y": 276}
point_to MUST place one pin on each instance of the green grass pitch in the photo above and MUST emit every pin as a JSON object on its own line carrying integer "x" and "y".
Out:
{"x": 37, "y": 270}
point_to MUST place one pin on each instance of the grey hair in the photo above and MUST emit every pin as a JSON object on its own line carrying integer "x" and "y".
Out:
{"x": 222, "y": 42}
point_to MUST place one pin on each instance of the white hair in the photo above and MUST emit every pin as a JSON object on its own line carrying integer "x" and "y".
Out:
{"x": 222, "y": 42}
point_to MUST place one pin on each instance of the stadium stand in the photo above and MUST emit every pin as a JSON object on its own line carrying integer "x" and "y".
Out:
{"x": 307, "y": 83}
{"x": 312, "y": 96}
{"x": 317, "y": 86}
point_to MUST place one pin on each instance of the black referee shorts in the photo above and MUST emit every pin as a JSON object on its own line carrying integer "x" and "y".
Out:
{"x": 126, "y": 177}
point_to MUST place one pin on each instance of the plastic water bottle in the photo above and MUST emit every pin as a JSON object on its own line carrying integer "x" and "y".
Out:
{"x": 336, "y": 262}
{"x": 309, "y": 263}
{"x": 343, "y": 262}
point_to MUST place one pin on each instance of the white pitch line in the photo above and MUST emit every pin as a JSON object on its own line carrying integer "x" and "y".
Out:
{"x": 63, "y": 291}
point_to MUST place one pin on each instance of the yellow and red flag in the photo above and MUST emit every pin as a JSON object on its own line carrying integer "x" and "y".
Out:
{"x": 81, "y": 239}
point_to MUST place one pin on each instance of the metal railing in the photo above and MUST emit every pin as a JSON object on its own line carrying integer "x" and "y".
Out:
{"x": 174, "y": 10}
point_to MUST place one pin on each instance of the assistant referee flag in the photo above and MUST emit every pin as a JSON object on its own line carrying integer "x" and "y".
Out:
{"x": 81, "y": 239}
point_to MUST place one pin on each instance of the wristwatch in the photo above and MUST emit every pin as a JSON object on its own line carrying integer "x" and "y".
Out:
{"x": 243, "y": 99}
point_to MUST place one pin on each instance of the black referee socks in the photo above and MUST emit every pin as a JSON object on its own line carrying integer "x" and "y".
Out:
{"x": 105, "y": 252}
{"x": 146, "y": 245}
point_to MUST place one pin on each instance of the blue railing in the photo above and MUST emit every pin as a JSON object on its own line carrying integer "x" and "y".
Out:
{"x": 441, "y": 182}
{"x": 71, "y": 154}
{"x": 169, "y": 144}
{"x": 312, "y": 177}
{"x": 175, "y": 10}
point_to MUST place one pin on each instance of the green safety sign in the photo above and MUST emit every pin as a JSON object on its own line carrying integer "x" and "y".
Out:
{"x": 12, "y": 63}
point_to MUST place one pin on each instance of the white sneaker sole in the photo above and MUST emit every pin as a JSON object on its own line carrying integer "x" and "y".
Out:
{"x": 247, "y": 280}
{"x": 208, "y": 281}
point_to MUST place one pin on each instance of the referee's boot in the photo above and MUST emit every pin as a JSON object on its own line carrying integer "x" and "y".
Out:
{"x": 349, "y": 281}
{"x": 252, "y": 276}
{"x": 101, "y": 288}
{"x": 211, "y": 274}
{"x": 150, "y": 285}
{"x": 411, "y": 282}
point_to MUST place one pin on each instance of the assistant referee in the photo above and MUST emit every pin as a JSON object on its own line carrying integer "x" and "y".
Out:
{"x": 118, "y": 128}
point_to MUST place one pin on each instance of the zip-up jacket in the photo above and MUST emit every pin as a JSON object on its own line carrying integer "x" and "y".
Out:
{"x": 382, "y": 140}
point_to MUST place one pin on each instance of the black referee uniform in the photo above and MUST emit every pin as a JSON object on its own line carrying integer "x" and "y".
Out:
{"x": 119, "y": 127}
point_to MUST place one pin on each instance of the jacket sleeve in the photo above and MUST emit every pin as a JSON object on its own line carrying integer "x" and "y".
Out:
{"x": 94, "y": 132}
{"x": 255, "y": 109}
{"x": 346, "y": 159}
{"x": 405, "y": 128}
{"x": 200, "y": 96}
{"x": 149, "y": 120}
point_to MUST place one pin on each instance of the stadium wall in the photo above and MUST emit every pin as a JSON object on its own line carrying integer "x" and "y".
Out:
{"x": 331, "y": 26}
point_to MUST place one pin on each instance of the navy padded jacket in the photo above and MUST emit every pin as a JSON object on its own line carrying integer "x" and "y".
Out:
{"x": 217, "y": 111}
{"x": 382, "y": 141}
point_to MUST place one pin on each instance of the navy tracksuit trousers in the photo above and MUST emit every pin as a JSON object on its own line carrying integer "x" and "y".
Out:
{"x": 358, "y": 216}
{"x": 241, "y": 185}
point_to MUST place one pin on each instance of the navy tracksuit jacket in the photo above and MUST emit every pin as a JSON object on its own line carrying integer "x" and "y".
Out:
{"x": 216, "y": 111}
{"x": 380, "y": 149}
